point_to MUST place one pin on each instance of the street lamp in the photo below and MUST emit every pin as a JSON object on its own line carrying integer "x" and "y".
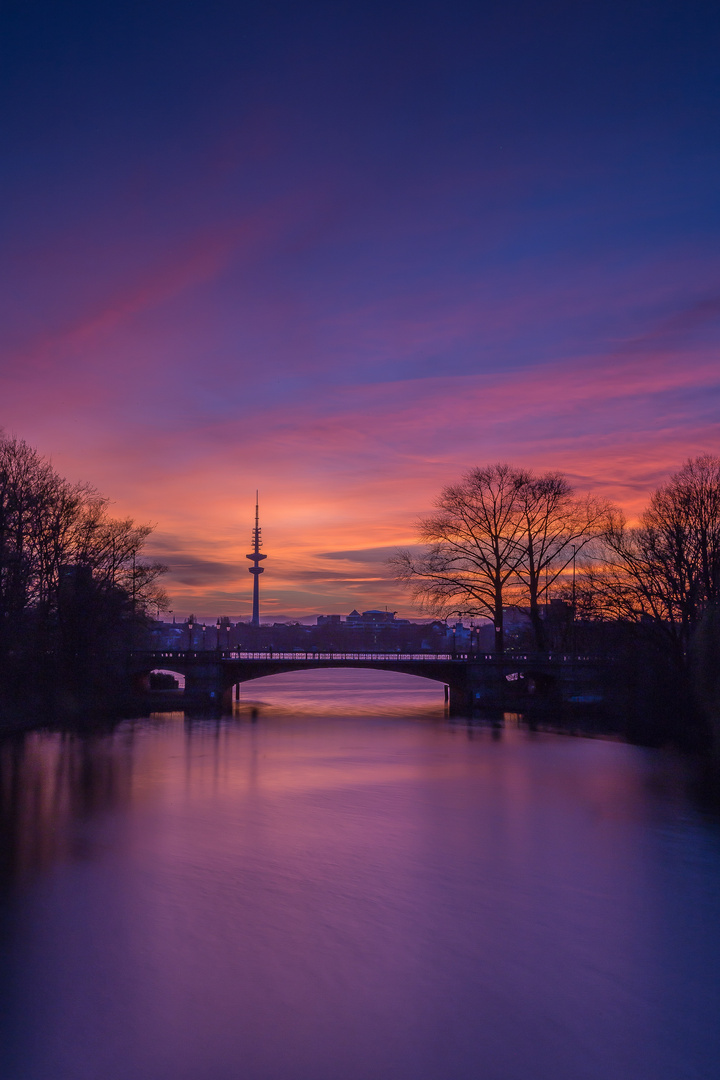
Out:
{"x": 574, "y": 639}
{"x": 190, "y": 632}
{"x": 573, "y": 585}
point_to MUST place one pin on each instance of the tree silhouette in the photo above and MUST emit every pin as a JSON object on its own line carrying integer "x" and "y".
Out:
{"x": 502, "y": 536}
{"x": 666, "y": 571}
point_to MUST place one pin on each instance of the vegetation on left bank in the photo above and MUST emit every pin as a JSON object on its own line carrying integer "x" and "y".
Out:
{"x": 75, "y": 590}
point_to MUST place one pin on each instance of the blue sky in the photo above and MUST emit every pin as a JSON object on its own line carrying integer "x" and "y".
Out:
{"x": 343, "y": 252}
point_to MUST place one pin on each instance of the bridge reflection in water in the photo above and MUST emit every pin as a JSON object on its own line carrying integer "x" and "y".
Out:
{"x": 473, "y": 680}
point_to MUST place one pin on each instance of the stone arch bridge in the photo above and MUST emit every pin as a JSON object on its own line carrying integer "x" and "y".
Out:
{"x": 474, "y": 680}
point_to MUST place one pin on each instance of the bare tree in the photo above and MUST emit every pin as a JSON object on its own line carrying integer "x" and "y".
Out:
{"x": 113, "y": 547}
{"x": 47, "y": 523}
{"x": 473, "y": 547}
{"x": 667, "y": 570}
{"x": 557, "y": 526}
{"x": 503, "y": 535}
{"x": 74, "y": 588}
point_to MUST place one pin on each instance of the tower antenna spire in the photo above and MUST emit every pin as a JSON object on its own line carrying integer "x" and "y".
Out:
{"x": 255, "y": 557}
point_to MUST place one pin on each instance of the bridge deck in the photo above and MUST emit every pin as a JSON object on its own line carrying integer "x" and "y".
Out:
{"x": 471, "y": 678}
{"x": 215, "y": 656}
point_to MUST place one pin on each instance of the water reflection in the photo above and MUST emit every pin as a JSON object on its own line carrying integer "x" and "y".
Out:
{"x": 51, "y": 782}
{"x": 349, "y": 692}
{"x": 315, "y": 896}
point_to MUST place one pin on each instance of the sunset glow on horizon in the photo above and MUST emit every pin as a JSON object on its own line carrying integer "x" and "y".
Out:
{"x": 344, "y": 255}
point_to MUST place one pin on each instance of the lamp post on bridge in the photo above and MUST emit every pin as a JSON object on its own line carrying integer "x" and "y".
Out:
{"x": 573, "y": 642}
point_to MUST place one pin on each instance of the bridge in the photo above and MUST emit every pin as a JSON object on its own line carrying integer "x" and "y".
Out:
{"x": 474, "y": 680}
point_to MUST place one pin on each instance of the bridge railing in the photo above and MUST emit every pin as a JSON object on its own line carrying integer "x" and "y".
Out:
{"x": 273, "y": 654}
{"x": 214, "y": 655}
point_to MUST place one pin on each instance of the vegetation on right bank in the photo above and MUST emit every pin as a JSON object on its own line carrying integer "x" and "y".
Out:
{"x": 506, "y": 537}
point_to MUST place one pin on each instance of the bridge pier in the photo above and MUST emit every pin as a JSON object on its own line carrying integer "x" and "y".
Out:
{"x": 459, "y": 701}
{"x": 204, "y": 685}
{"x": 477, "y": 686}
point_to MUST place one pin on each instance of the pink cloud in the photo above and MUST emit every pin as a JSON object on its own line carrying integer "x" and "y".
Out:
{"x": 355, "y": 468}
{"x": 346, "y": 464}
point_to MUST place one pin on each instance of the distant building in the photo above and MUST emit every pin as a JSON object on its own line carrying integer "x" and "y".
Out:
{"x": 515, "y": 618}
{"x": 367, "y": 620}
{"x": 371, "y": 620}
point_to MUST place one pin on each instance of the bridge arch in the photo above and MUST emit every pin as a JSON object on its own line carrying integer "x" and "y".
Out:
{"x": 280, "y": 668}
{"x": 144, "y": 679}
{"x": 212, "y": 674}
{"x": 246, "y": 672}
{"x": 352, "y": 690}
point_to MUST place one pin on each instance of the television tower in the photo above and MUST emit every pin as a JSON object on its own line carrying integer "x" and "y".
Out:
{"x": 255, "y": 557}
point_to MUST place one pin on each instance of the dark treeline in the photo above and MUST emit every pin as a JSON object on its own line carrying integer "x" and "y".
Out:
{"x": 506, "y": 538}
{"x": 74, "y": 589}
{"x": 76, "y": 593}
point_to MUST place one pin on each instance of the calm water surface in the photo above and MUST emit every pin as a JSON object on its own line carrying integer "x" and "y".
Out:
{"x": 339, "y": 884}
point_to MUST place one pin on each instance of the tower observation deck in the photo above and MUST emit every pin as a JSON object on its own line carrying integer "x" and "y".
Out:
{"x": 255, "y": 557}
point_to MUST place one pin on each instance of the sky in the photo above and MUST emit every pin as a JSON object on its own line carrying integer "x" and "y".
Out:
{"x": 344, "y": 252}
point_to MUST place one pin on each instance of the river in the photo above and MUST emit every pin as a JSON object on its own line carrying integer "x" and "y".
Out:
{"x": 340, "y": 883}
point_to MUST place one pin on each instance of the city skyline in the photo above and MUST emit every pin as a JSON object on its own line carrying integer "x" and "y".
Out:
{"x": 343, "y": 255}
